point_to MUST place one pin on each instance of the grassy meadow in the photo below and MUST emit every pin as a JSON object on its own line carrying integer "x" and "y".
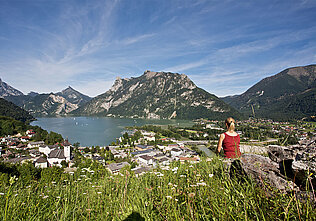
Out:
{"x": 202, "y": 191}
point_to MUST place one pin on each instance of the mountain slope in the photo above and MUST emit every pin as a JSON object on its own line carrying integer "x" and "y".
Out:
{"x": 59, "y": 104}
{"x": 288, "y": 94}
{"x": 7, "y": 90}
{"x": 157, "y": 95}
{"x": 9, "y": 109}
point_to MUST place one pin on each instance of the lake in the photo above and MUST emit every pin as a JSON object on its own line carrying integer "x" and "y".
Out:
{"x": 93, "y": 131}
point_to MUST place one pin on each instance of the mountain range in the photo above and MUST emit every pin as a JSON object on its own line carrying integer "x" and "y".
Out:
{"x": 52, "y": 104}
{"x": 157, "y": 95}
{"x": 290, "y": 94}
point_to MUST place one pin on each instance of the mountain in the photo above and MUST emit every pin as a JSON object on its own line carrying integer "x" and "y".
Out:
{"x": 290, "y": 94}
{"x": 7, "y": 90}
{"x": 157, "y": 95}
{"x": 9, "y": 109}
{"x": 73, "y": 96}
{"x": 59, "y": 104}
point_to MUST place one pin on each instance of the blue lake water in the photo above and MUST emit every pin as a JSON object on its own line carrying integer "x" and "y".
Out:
{"x": 92, "y": 131}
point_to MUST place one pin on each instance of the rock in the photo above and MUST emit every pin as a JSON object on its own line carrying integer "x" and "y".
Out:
{"x": 263, "y": 171}
{"x": 297, "y": 162}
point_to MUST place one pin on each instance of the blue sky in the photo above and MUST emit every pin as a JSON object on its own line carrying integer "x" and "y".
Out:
{"x": 224, "y": 46}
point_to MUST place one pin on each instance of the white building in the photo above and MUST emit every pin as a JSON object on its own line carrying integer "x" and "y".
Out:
{"x": 41, "y": 162}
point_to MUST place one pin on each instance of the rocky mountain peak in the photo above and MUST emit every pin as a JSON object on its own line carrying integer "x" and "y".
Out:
{"x": 156, "y": 95}
{"x": 6, "y": 90}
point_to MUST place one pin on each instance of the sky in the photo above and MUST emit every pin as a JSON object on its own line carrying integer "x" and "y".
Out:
{"x": 224, "y": 46}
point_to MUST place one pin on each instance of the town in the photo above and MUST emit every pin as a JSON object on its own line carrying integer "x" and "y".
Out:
{"x": 147, "y": 147}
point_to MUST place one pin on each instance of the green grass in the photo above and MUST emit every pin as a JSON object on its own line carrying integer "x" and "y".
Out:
{"x": 202, "y": 191}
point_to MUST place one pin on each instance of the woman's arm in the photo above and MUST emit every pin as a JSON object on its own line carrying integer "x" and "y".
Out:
{"x": 220, "y": 142}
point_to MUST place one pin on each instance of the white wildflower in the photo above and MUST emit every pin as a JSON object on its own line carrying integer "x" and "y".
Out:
{"x": 169, "y": 197}
{"x": 99, "y": 192}
{"x": 211, "y": 175}
{"x": 1, "y": 194}
{"x": 182, "y": 175}
{"x": 44, "y": 197}
{"x": 201, "y": 184}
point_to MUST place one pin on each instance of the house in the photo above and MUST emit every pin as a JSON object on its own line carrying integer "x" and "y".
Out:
{"x": 145, "y": 159}
{"x": 56, "y": 156}
{"x": 189, "y": 159}
{"x": 140, "y": 170}
{"x": 24, "y": 138}
{"x": 34, "y": 153}
{"x": 149, "y": 138}
{"x": 99, "y": 159}
{"x": 164, "y": 161}
{"x": 30, "y": 133}
{"x": 41, "y": 162}
{"x": 35, "y": 144}
{"x": 18, "y": 159}
{"x": 46, "y": 149}
{"x": 175, "y": 152}
{"x": 139, "y": 153}
{"x": 141, "y": 147}
{"x": 114, "y": 168}
{"x": 21, "y": 146}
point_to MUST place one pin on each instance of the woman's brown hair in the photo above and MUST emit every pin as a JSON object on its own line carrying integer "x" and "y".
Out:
{"x": 230, "y": 122}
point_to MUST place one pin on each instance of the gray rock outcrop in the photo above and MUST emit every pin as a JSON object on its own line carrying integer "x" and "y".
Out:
{"x": 286, "y": 169}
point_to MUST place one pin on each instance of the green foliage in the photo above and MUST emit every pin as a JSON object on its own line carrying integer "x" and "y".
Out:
{"x": 10, "y": 126}
{"x": 9, "y": 109}
{"x": 202, "y": 191}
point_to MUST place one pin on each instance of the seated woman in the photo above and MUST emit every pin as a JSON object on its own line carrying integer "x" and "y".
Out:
{"x": 229, "y": 140}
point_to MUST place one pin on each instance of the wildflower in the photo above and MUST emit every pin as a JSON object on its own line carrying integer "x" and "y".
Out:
{"x": 175, "y": 185}
{"x": 201, "y": 184}
{"x": 79, "y": 179}
{"x": 1, "y": 194}
{"x": 170, "y": 184}
{"x": 44, "y": 197}
{"x": 53, "y": 182}
{"x": 13, "y": 179}
{"x": 84, "y": 193}
{"x": 191, "y": 166}
{"x": 211, "y": 175}
{"x": 16, "y": 194}
{"x": 99, "y": 192}
{"x": 83, "y": 175}
{"x": 198, "y": 174}
{"x": 191, "y": 195}
{"x": 182, "y": 175}
{"x": 193, "y": 185}
{"x": 72, "y": 173}
{"x": 176, "y": 200}
{"x": 169, "y": 197}
{"x": 175, "y": 169}
{"x": 58, "y": 197}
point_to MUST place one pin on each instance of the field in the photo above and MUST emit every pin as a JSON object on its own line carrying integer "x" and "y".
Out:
{"x": 202, "y": 191}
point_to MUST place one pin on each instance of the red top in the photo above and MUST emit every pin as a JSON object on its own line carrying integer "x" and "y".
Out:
{"x": 231, "y": 146}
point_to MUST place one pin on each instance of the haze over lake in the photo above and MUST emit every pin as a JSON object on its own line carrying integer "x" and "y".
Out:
{"x": 92, "y": 131}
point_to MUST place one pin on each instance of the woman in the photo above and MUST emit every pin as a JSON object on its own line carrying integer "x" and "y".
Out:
{"x": 229, "y": 140}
